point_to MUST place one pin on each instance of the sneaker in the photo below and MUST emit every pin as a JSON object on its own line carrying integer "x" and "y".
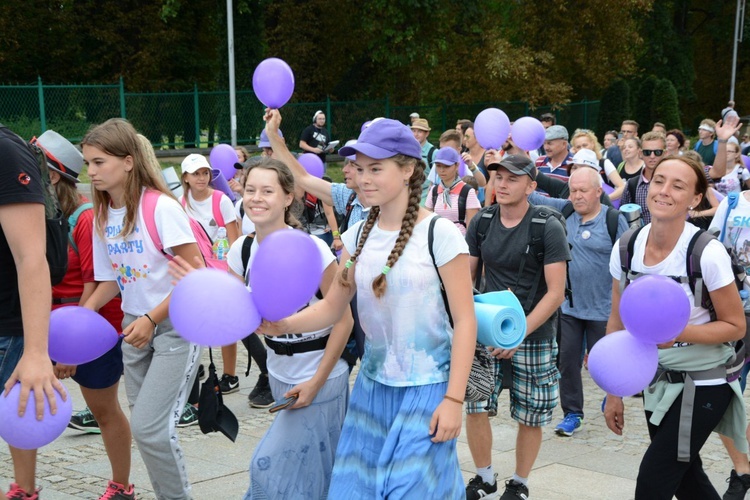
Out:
{"x": 189, "y": 416}
{"x": 738, "y": 486}
{"x": 477, "y": 489}
{"x": 18, "y": 493}
{"x": 260, "y": 396}
{"x": 515, "y": 491}
{"x": 116, "y": 491}
{"x": 84, "y": 421}
{"x": 571, "y": 423}
{"x": 229, "y": 384}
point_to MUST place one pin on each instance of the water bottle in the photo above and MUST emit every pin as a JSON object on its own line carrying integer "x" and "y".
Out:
{"x": 745, "y": 298}
{"x": 632, "y": 213}
{"x": 221, "y": 245}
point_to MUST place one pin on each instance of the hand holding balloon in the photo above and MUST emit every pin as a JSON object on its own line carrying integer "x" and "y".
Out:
{"x": 274, "y": 328}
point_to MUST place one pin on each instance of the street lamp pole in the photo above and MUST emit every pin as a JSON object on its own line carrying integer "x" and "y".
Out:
{"x": 738, "y": 32}
{"x": 232, "y": 94}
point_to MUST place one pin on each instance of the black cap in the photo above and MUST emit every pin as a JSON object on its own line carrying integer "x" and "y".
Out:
{"x": 519, "y": 165}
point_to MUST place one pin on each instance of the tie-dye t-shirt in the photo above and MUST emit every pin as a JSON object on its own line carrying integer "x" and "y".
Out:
{"x": 139, "y": 269}
{"x": 408, "y": 334}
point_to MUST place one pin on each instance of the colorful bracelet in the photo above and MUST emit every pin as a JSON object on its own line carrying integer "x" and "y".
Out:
{"x": 336, "y": 234}
{"x": 450, "y": 398}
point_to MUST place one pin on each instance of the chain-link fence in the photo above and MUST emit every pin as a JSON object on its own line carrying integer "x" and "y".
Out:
{"x": 201, "y": 118}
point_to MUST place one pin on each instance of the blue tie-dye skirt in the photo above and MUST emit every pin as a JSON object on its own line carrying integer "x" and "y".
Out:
{"x": 385, "y": 449}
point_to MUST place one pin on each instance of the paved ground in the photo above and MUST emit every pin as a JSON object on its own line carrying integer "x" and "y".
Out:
{"x": 593, "y": 464}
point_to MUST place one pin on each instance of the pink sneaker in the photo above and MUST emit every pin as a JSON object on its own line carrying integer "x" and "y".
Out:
{"x": 18, "y": 493}
{"x": 116, "y": 491}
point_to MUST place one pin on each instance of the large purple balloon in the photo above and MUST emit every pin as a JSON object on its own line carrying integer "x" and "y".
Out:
{"x": 273, "y": 82}
{"x": 312, "y": 163}
{"x": 623, "y": 365}
{"x": 285, "y": 274}
{"x": 28, "y": 433}
{"x": 212, "y": 308}
{"x": 78, "y": 335}
{"x": 655, "y": 309}
{"x": 223, "y": 158}
{"x": 491, "y": 128}
{"x": 527, "y": 133}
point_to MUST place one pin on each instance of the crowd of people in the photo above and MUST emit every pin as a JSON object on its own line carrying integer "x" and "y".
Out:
{"x": 405, "y": 241}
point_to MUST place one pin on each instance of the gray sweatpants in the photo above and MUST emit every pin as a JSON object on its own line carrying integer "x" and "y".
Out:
{"x": 158, "y": 379}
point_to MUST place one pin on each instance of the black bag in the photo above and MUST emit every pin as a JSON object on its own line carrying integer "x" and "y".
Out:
{"x": 213, "y": 416}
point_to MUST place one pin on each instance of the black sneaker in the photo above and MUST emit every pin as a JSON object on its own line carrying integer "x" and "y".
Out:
{"x": 260, "y": 396}
{"x": 515, "y": 491}
{"x": 229, "y": 384}
{"x": 84, "y": 421}
{"x": 738, "y": 486}
{"x": 189, "y": 416}
{"x": 477, "y": 488}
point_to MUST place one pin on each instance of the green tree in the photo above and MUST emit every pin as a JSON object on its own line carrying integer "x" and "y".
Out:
{"x": 614, "y": 107}
{"x": 644, "y": 103}
{"x": 666, "y": 106}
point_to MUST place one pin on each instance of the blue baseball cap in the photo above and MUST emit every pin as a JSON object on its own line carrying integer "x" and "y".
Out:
{"x": 385, "y": 138}
{"x": 446, "y": 156}
{"x": 264, "y": 142}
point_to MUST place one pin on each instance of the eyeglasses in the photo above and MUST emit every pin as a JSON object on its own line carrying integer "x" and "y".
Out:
{"x": 656, "y": 152}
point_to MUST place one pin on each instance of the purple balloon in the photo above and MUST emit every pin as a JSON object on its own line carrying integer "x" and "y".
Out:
{"x": 285, "y": 274}
{"x": 313, "y": 164}
{"x": 609, "y": 190}
{"x": 622, "y": 365}
{"x": 655, "y": 309}
{"x": 463, "y": 170}
{"x": 527, "y": 133}
{"x": 28, "y": 433}
{"x": 746, "y": 160}
{"x": 491, "y": 128}
{"x": 78, "y": 335}
{"x": 273, "y": 82}
{"x": 223, "y": 158}
{"x": 211, "y": 308}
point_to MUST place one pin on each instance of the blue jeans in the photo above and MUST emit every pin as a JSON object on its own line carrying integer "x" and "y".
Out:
{"x": 11, "y": 349}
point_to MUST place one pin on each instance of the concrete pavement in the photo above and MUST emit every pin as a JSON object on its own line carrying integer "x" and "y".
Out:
{"x": 593, "y": 464}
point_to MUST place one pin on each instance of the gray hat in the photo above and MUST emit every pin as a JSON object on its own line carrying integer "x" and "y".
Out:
{"x": 62, "y": 156}
{"x": 556, "y": 132}
{"x": 519, "y": 165}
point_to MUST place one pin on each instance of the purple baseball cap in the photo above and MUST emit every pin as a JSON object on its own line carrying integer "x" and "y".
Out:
{"x": 264, "y": 142}
{"x": 385, "y": 138}
{"x": 446, "y": 156}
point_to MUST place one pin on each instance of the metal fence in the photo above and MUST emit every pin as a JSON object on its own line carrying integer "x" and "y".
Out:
{"x": 175, "y": 120}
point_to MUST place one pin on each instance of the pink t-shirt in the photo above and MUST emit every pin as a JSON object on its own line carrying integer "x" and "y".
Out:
{"x": 451, "y": 212}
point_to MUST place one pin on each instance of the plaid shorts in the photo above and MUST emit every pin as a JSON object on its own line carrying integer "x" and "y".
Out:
{"x": 535, "y": 388}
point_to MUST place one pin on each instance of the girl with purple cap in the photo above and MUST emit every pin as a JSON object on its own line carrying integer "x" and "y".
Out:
{"x": 452, "y": 198}
{"x": 399, "y": 436}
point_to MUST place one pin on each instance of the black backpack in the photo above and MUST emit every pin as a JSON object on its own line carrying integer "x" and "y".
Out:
{"x": 462, "y": 197}
{"x": 534, "y": 249}
{"x": 612, "y": 214}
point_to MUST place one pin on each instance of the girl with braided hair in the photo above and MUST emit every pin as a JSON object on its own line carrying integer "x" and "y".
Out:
{"x": 399, "y": 435}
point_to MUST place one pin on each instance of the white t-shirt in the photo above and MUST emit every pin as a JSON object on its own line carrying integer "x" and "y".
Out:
{"x": 609, "y": 167}
{"x": 203, "y": 212}
{"x": 247, "y": 225}
{"x": 301, "y": 366}
{"x": 730, "y": 183}
{"x": 139, "y": 269}
{"x": 408, "y": 333}
{"x": 715, "y": 266}
{"x": 738, "y": 227}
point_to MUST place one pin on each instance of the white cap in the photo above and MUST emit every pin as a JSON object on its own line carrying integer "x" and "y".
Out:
{"x": 194, "y": 162}
{"x": 587, "y": 158}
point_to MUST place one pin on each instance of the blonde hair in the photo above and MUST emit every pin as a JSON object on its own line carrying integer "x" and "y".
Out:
{"x": 591, "y": 137}
{"x": 380, "y": 284}
{"x": 117, "y": 137}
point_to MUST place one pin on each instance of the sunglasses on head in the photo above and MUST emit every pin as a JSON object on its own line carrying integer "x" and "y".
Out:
{"x": 656, "y": 152}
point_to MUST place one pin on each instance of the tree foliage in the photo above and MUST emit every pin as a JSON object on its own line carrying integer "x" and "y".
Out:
{"x": 666, "y": 105}
{"x": 643, "y": 110}
{"x": 614, "y": 107}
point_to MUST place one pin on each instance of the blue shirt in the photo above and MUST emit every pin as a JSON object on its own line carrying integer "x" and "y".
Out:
{"x": 340, "y": 194}
{"x": 589, "y": 266}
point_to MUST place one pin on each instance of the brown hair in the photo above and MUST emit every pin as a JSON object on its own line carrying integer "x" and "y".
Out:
{"x": 631, "y": 122}
{"x": 450, "y": 135}
{"x": 117, "y": 137}
{"x": 68, "y": 195}
{"x": 701, "y": 183}
{"x": 286, "y": 181}
{"x": 245, "y": 154}
{"x": 677, "y": 135}
{"x": 379, "y": 284}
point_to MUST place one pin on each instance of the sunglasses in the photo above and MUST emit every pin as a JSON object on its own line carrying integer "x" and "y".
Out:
{"x": 656, "y": 152}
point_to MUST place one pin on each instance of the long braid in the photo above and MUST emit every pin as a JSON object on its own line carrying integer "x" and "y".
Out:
{"x": 407, "y": 226}
{"x": 368, "y": 225}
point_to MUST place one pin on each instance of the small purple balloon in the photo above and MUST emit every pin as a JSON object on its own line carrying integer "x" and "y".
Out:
{"x": 78, "y": 335}
{"x": 211, "y": 308}
{"x": 654, "y": 309}
{"x": 492, "y": 128}
{"x": 746, "y": 160}
{"x": 463, "y": 170}
{"x": 286, "y": 272}
{"x": 313, "y": 164}
{"x": 273, "y": 82}
{"x": 609, "y": 190}
{"x": 527, "y": 133}
{"x": 622, "y": 365}
{"x": 223, "y": 158}
{"x": 28, "y": 433}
